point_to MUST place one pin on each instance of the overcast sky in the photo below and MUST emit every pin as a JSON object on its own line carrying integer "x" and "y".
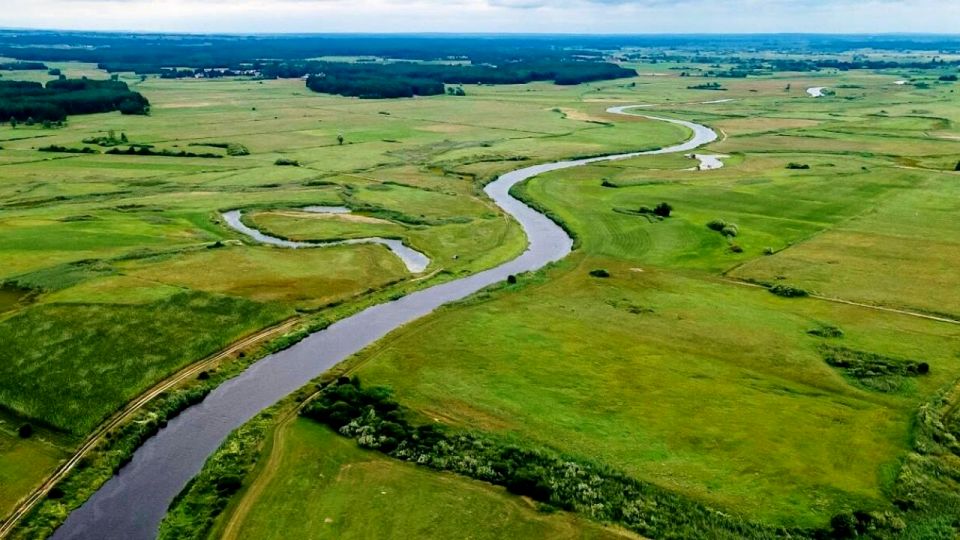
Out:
{"x": 568, "y": 16}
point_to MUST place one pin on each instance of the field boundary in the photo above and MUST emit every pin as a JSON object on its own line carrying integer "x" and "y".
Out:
{"x": 128, "y": 411}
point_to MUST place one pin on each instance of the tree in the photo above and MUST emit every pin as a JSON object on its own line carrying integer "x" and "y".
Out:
{"x": 25, "y": 431}
{"x": 123, "y": 137}
{"x": 957, "y": 168}
{"x": 663, "y": 210}
{"x": 340, "y": 138}
{"x": 13, "y": 122}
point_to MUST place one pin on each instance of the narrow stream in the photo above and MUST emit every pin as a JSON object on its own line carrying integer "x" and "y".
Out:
{"x": 415, "y": 261}
{"x": 131, "y": 505}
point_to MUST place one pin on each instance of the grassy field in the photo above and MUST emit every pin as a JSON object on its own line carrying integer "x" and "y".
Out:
{"x": 326, "y": 487}
{"x": 111, "y": 280}
{"x": 677, "y": 374}
{"x": 672, "y": 370}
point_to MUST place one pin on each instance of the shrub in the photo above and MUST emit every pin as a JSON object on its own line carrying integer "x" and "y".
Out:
{"x": 25, "y": 431}
{"x": 600, "y": 273}
{"x": 228, "y": 484}
{"x": 874, "y": 371}
{"x": 736, "y": 248}
{"x": 768, "y": 251}
{"x": 826, "y": 331}
{"x": 843, "y": 526}
{"x": 731, "y": 230}
{"x": 798, "y": 166}
{"x": 957, "y": 168}
{"x": 663, "y": 210}
{"x": 55, "y": 493}
{"x": 788, "y": 291}
{"x": 716, "y": 225}
{"x": 286, "y": 162}
{"x": 511, "y": 279}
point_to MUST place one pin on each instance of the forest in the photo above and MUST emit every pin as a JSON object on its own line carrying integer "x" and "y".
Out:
{"x": 23, "y": 101}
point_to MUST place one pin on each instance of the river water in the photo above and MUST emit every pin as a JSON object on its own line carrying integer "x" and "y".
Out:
{"x": 131, "y": 504}
{"x": 415, "y": 261}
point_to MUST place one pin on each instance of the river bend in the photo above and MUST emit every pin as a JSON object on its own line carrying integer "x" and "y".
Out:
{"x": 132, "y": 503}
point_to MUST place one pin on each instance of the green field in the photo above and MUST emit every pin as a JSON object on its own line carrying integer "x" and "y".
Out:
{"x": 674, "y": 372}
{"x": 325, "y": 487}
{"x": 679, "y": 369}
{"x": 119, "y": 271}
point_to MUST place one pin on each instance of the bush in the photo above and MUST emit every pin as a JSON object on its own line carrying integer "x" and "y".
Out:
{"x": 788, "y": 291}
{"x": 55, "y": 493}
{"x": 663, "y": 210}
{"x": 600, "y": 273}
{"x": 826, "y": 331}
{"x": 731, "y": 230}
{"x": 957, "y": 168}
{"x": 736, "y": 248}
{"x": 25, "y": 431}
{"x": 228, "y": 484}
{"x": 286, "y": 162}
{"x": 716, "y": 225}
{"x": 768, "y": 251}
{"x": 798, "y": 166}
{"x": 511, "y": 279}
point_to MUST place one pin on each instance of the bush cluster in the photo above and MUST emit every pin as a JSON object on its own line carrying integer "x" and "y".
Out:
{"x": 797, "y": 166}
{"x": 64, "y": 149}
{"x": 788, "y": 291}
{"x": 140, "y": 150}
{"x": 875, "y": 371}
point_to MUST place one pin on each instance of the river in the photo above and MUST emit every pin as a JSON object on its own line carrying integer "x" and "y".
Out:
{"x": 132, "y": 503}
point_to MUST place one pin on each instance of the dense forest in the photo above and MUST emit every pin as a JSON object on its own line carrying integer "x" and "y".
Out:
{"x": 22, "y": 66}
{"x": 33, "y": 102}
{"x": 408, "y": 79}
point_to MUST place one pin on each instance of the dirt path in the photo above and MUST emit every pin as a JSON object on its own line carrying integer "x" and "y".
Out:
{"x": 262, "y": 478}
{"x": 858, "y": 304}
{"x": 125, "y": 414}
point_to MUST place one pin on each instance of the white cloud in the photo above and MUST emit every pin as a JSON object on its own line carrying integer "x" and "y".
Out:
{"x": 573, "y": 16}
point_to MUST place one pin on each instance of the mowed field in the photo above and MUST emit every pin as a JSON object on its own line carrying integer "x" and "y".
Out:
{"x": 118, "y": 270}
{"x": 678, "y": 369}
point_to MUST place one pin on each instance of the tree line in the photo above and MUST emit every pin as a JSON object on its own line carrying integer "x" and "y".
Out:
{"x": 405, "y": 79}
{"x": 23, "y": 101}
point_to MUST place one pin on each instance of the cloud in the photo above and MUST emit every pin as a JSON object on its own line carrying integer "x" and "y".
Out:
{"x": 568, "y": 16}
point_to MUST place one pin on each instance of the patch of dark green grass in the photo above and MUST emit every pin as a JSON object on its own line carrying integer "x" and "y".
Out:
{"x": 71, "y": 366}
{"x": 871, "y": 370}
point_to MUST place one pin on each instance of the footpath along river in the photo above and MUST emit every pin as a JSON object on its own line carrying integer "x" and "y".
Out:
{"x": 131, "y": 504}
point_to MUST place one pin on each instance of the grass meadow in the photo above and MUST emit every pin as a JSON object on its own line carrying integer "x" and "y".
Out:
{"x": 323, "y": 486}
{"x": 111, "y": 282}
{"x": 118, "y": 271}
{"x": 676, "y": 373}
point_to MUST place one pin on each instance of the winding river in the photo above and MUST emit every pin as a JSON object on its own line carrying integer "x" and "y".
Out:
{"x": 415, "y": 261}
{"x": 132, "y": 503}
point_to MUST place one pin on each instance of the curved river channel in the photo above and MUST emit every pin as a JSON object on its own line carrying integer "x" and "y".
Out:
{"x": 132, "y": 503}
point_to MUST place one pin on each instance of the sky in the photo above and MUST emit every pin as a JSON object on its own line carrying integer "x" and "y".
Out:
{"x": 525, "y": 16}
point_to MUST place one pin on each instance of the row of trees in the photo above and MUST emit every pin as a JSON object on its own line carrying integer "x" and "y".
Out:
{"x": 22, "y": 100}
